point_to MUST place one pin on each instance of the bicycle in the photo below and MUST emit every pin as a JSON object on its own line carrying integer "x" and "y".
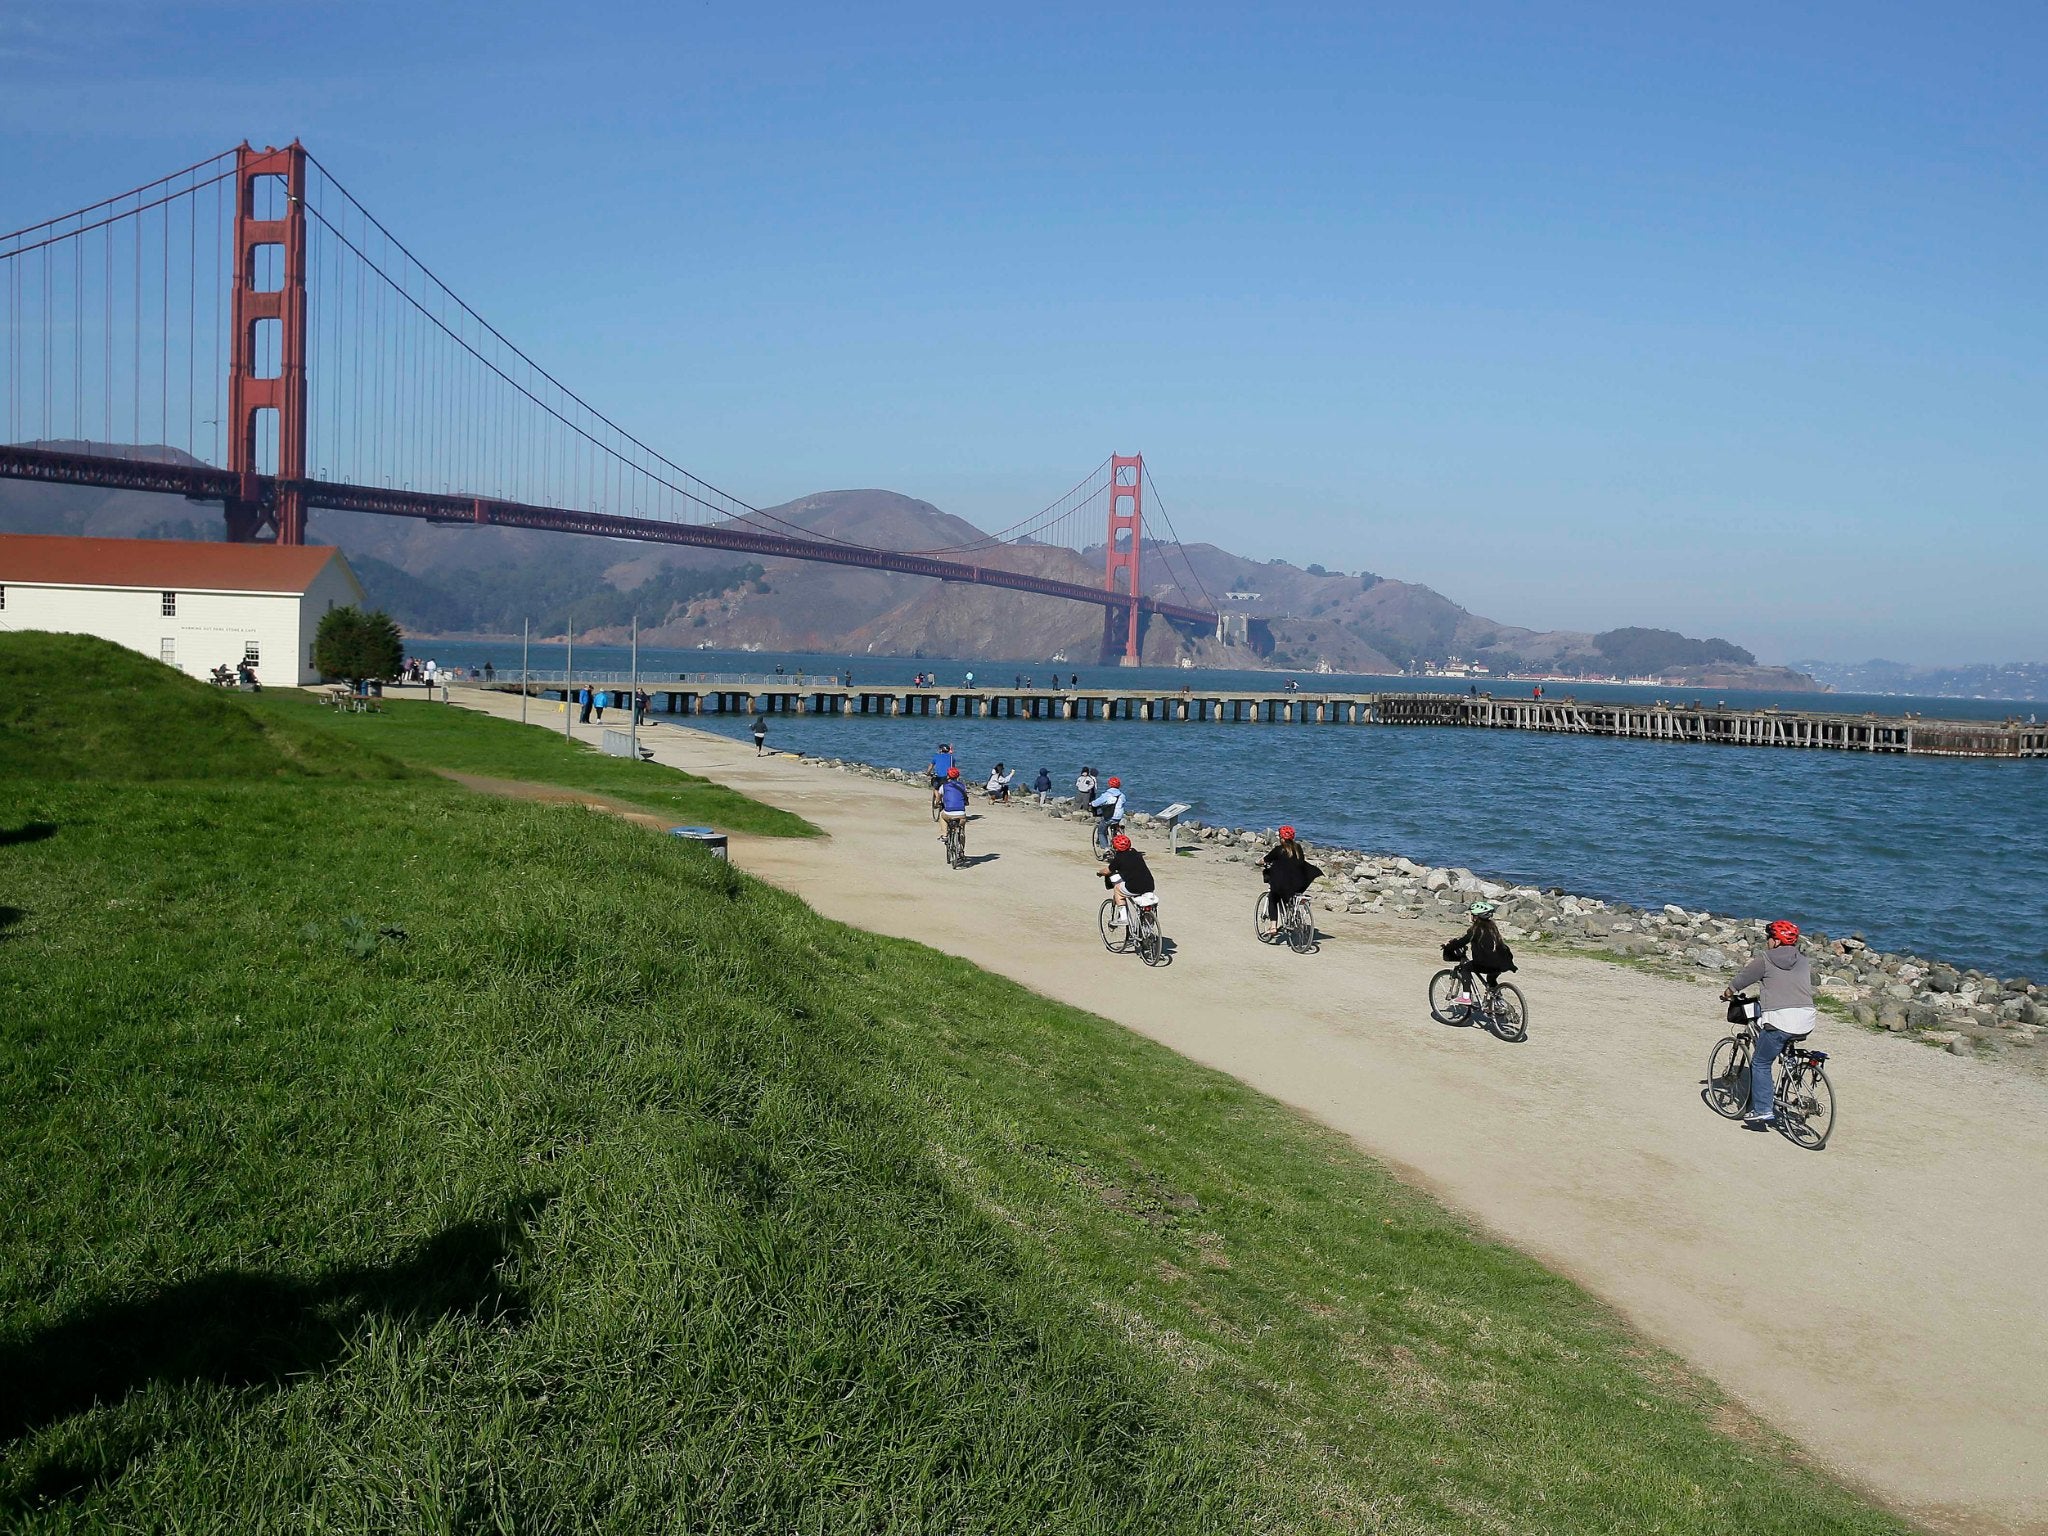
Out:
{"x": 1498, "y": 1005}
{"x": 1802, "y": 1096}
{"x": 956, "y": 841}
{"x": 934, "y": 783}
{"x": 1140, "y": 933}
{"x": 1105, "y": 829}
{"x": 1294, "y": 924}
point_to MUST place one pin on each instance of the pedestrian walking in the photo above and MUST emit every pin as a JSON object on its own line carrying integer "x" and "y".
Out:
{"x": 760, "y": 734}
{"x": 604, "y": 698}
{"x": 583, "y": 698}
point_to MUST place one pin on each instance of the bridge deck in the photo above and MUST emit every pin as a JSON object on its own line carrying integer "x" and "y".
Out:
{"x": 1710, "y": 724}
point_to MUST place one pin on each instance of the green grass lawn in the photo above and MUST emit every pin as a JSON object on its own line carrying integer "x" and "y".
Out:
{"x": 428, "y": 735}
{"x": 385, "y": 1157}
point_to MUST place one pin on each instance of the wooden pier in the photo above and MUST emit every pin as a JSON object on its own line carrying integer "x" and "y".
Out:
{"x": 1715, "y": 724}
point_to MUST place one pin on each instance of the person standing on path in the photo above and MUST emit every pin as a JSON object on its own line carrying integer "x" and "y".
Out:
{"x": 1788, "y": 1013}
{"x": 583, "y": 698}
{"x": 1042, "y": 787}
{"x": 760, "y": 734}
{"x": 604, "y": 699}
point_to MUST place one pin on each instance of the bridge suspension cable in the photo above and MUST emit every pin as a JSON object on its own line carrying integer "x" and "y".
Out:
{"x": 261, "y": 272}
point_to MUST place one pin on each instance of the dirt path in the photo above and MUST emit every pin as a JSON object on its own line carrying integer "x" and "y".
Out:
{"x": 1881, "y": 1301}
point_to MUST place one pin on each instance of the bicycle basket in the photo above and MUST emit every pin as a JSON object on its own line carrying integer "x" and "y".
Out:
{"x": 1744, "y": 1010}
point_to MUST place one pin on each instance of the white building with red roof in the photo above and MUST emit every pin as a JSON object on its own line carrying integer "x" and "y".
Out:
{"x": 192, "y": 606}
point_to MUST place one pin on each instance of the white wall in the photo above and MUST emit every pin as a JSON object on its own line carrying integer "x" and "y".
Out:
{"x": 335, "y": 587}
{"x": 210, "y": 628}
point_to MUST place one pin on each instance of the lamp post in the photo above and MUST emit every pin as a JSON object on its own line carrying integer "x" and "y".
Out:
{"x": 525, "y": 630}
{"x": 633, "y": 703}
{"x": 568, "y": 686}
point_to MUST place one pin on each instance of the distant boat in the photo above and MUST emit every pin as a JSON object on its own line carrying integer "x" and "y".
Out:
{"x": 1057, "y": 656}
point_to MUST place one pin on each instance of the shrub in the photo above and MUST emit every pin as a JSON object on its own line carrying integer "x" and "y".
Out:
{"x": 358, "y": 646}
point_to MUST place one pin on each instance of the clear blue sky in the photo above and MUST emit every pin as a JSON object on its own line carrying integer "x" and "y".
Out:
{"x": 1735, "y": 322}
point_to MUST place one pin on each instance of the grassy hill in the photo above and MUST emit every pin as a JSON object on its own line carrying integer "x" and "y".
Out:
{"x": 399, "y": 1158}
{"x": 76, "y": 707}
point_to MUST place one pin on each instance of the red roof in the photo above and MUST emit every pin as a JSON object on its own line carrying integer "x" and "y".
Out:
{"x": 167, "y": 564}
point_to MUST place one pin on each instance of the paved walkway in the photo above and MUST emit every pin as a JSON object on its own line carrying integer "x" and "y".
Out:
{"x": 1881, "y": 1301}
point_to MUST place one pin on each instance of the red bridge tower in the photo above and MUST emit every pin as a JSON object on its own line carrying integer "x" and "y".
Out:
{"x": 267, "y": 250}
{"x": 1126, "y": 537}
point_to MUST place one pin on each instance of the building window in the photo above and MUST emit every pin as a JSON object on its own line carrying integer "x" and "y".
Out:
{"x": 3, "y": 598}
{"x": 249, "y": 653}
{"x": 167, "y": 649}
{"x": 170, "y": 605}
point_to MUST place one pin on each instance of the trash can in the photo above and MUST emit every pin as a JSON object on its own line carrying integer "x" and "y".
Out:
{"x": 708, "y": 838}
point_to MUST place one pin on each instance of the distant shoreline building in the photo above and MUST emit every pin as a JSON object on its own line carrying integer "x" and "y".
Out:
{"x": 193, "y": 606}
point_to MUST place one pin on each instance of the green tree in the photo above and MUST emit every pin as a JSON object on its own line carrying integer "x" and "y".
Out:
{"x": 358, "y": 646}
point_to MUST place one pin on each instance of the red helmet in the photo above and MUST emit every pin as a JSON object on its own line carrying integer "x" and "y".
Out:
{"x": 952, "y": 773}
{"x": 1120, "y": 843}
{"x": 1782, "y": 932}
{"x": 1115, "y": 782}
{"x": 1287, "y": 834}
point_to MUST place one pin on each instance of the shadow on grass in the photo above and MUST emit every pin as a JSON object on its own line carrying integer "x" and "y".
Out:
{"x": 9, "y": 916}
{"x": 28, "y": 832}
{"x": 233, "y": 1328}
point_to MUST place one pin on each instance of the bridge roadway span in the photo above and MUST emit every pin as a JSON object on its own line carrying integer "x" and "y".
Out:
{"x": 202, "y": 482}
{"x": 1713, "y": 724}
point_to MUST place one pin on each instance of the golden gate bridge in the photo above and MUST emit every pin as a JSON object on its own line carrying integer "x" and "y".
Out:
{"x": 244, "y": 331}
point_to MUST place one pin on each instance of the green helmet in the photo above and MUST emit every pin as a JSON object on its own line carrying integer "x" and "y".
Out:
{"x": 1481, "y": 909}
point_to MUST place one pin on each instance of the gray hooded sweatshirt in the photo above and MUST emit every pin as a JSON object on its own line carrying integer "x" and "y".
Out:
{"x": 1786, "y": 974}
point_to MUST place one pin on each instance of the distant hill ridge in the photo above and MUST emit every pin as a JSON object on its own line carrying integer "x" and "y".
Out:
{"x": 441, "y": 579}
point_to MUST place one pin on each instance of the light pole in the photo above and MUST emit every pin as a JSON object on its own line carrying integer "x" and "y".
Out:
{"x": 568, "y": 686}
{"x": 633, "y": 703}
{"x": 525, "y": 633}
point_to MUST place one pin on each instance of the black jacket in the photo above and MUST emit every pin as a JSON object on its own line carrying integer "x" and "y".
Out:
{"x": 1137, "y": 874}
{"x": 1287, "y": 877}
{"x": 1490, "y": 956}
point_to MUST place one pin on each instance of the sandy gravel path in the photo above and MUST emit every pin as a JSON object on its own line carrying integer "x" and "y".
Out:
{"x": 1882, "y": 1301}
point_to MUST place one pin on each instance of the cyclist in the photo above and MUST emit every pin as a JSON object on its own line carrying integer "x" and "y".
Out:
{"x": 935, "y": 770}
{"x": 1287, "y": 871}
{"x": 1109, "y": 805}
{"x": 1479, "y": 949}
{"x": 953, "y": 805}
{"x": 1788, "y": 1013}
{"x": 1126, "y": 874}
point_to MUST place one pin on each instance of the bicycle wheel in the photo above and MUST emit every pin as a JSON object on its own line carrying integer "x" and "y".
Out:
{"x": 1264, "y": 923}
{"x": 1301, "y": 925}
{"x": 1151, "y": 942}
{"x": 1102, "y": 837}
{"x": 1806, "y": 1106}
{"x": 1507, "y": 1013}
{"x": 1727, "y": 1090}
{"x": 1444, "y": 1006}
{"x": 935, "y": 805}
{"x": 956, "y": 843}
{"x": 1114, "y": 939}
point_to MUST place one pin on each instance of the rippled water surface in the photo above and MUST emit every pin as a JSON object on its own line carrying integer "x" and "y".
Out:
{"x": 1943, "y": 857}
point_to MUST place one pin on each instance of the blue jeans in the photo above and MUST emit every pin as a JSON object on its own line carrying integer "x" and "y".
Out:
{"x": 1770, "y": 1043}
